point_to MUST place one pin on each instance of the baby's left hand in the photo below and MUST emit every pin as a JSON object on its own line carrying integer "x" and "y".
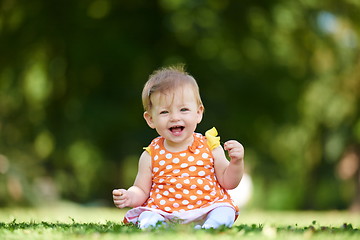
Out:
{"x": 235, "y": 150}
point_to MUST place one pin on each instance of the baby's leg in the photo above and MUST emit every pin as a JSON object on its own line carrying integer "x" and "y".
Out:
{"x": 221, "y": 216}
{"x": 149, "y": 219}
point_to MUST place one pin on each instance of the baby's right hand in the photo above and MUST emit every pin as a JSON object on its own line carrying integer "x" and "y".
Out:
{"x": 121, "y": 198}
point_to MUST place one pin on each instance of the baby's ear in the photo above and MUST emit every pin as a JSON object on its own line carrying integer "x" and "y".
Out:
{"x": 149, "y": 119}
{"x": 200, "y": 112}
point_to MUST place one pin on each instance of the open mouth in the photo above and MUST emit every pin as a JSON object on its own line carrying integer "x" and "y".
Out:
{"x": 177, "y": 129}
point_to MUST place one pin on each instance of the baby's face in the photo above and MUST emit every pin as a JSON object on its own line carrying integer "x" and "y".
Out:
{"x": 175, "y": 115}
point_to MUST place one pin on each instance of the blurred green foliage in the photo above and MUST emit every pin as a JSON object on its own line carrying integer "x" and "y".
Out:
{"x": 282, "y": 77}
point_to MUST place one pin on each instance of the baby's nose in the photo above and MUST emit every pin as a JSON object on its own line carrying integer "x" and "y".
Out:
{"x": 175, "y": 116}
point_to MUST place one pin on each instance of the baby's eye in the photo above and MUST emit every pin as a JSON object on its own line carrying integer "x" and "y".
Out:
{"x": 184, "y": 109}
{"x": 164, "y": 112}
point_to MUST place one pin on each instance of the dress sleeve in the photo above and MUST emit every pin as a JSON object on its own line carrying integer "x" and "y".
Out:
{"x": 212, "y": 139}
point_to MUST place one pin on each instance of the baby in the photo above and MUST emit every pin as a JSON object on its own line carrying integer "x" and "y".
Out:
{"x": 182, "y": 176}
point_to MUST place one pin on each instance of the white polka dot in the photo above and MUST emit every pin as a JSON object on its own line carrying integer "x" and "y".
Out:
{"x": 162, "y": 162}
{"x": 178, "y": 196}
{"x": 200, "y": 181}
{"x": 193, "y": 197}
{"x": 168, "y": 209}
{"x": 161, "y": 173}
{"x": 213, "y": 193}
{"x": 207, "y": 197}
{"x": 162, "y": 151}
{"x": 183, "y": 154}
{"x": 166, "y": 193}
{"x": 176, "y": 171}
{"x": 168, "y": 156}
{"x": 192, "y": 169}
{"x": 199, "y": 202}
{"x": 205, "y": 155}
{"x": 161, "y": 186}
{"x": 156, "y": 146}
{"x": 156, "y": 169}
{"x": 178, "y": 185}
{"x": 161, "y": 180}
{"x": 201, "y": 173}
{"x": 206, "y": 187}
{"x": 197, "y": 151}
{"x": 185, "y": 202}
{"x": 162, "y": 202}
{"x": 156, "y": 157}
{"x": 184, "y": 165}
{"x": 193, "y": 186}
{"x": 157, "y": 190}
{"x": 186, "y": 181}
{"x": 172, "y": 190}
{"x": 198, "y": 192}
{"x": 185, "y": 191}
{"x": 191, "y": 158}
{"x": 172, "y": 199}
{"x": 172, "y": 180}
{"x": 176, "y": 160}
{"x": 168, "y": 167}
{"x": 200, "y": 163}
{"x": 190, "y": 206}
{"x": 176, "y": 205}
{"x": 185, "y": 175}
{"x": 158, "y": 196}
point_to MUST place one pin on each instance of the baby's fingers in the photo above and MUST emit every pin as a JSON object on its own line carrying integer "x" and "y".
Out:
{"x": 235, "y": 153}
{"x": 120, "y": 197}
{"x": 232, "y": 144}
{"x": 235, "y": 149}
{"x": 118, "y": 194}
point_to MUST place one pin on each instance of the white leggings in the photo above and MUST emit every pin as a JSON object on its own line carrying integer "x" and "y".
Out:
{"x": 221, "y": 216}
{"x": 150, "y": 219}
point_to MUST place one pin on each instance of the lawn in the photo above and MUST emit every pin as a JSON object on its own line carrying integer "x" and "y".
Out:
{"x": 68, "y": 221}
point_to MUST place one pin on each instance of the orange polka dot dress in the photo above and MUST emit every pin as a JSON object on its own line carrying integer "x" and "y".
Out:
{"x": 184, "y": 185}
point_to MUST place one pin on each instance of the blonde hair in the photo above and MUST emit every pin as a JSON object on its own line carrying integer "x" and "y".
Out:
{"x": 165, "y": 79}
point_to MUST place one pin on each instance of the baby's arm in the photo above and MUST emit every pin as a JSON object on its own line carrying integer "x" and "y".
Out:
{"x": 137, "y": 194}
{"x": 229, "y": 174}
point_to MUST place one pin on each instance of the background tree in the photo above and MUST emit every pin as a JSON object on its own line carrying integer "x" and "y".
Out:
{"x": 280, "y": 76}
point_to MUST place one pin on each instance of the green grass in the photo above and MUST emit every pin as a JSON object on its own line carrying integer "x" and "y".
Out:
{"x": 74, "y": 222}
